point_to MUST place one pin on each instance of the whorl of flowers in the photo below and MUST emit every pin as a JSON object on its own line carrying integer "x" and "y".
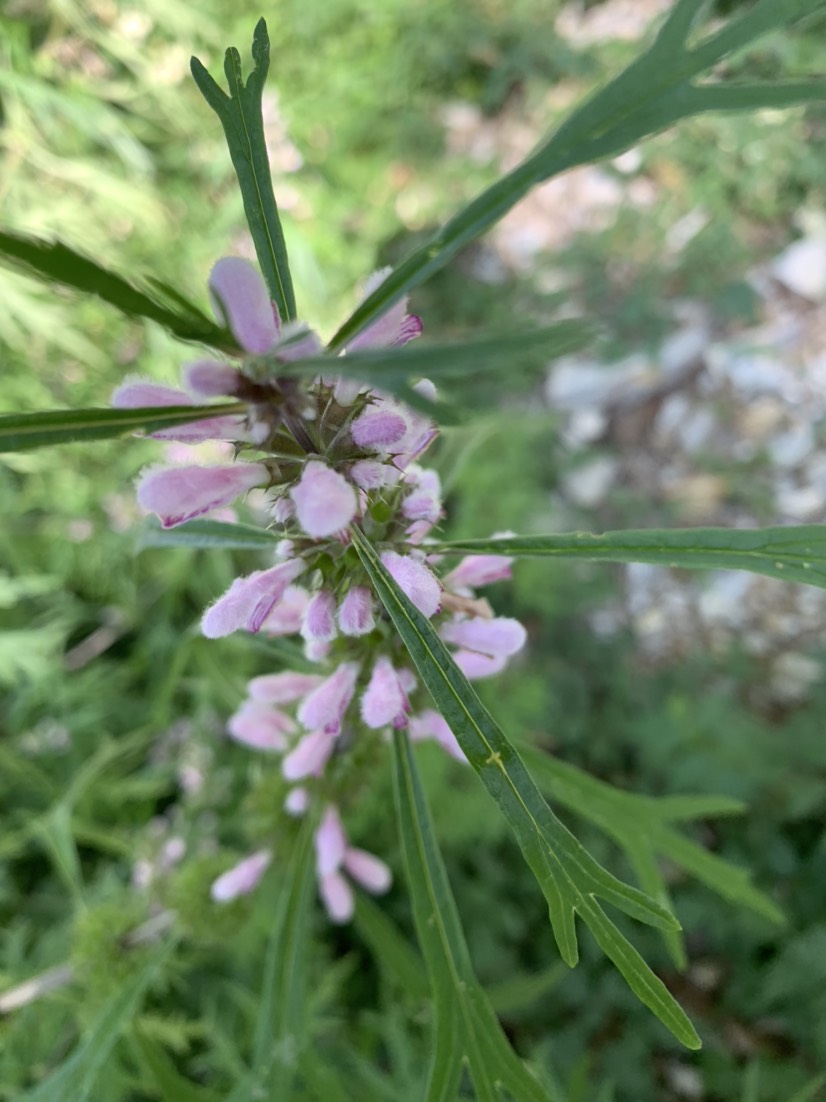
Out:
{"x": 327, "y": 453}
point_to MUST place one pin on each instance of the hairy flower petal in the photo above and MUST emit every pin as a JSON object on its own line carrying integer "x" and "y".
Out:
{"x": 324, "y": 708}
{"x": 283, "y": 688}
{"x": 319, "y": 619}
{"x": 416, "y": 580}
{"x": 241, "y": 300}
{"x": 476, "y": 666}
{"x": 368, "y": 870}
{"x": 309, "y": 756}
{"x": 384, "y": 701}
{"x": 210, "y": 378}
{"x": 337, "y": 897}
{"x": 260, "y": 726}
{"x": 355, "y": 613}
{"x": 330, "y": 842}
{"x": 476, "y": 570}
{"x": 242, "y": 878}
{"x": 325, "y": 502}
{"x": 248, "y": 601}
{"x": 430, "y": 724}
{"x": 178, "y": 494}
{"x": 501, "y": 637}
{"x": 378, "y": 428}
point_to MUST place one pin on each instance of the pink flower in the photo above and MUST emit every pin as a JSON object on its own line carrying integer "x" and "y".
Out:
{"x": 368, "y": 870}
{"x": 287, "y": 616}
{"x": 330, "y": 842}
{"x": 384, "y": 701}
{"x": 337, "y": 897}
{"x": 260, "y": 726}
{"x": 355, "y": 613}
{"x": 309, "y": 756}
{"x": 476, "y": 666}
{"x": 325, "y": 502}
{"x": 242, "y": 878}
{"x": 395, "y": 326}
{"x": 282, "y": 688}
{"x": 499, "y": 638}
{"x": 371, "y": 474}
{"x": 137, "y": 393}
{"x": 417, "y": 582}
{"x": 476, "y": 570}
{"x": 324, "y": 708}
{"x": 378, "y": 428}
{"x": 430, "y": 724}
{"x": 297, "y": 801}
{"x": 424, "y": 500}
{"x": 248, "y": 601}
{"x": 241, "y": 300}
{"x": 211, "y": 378}
{"x": 178, "y": 494}
{"x": 319, "y": 619}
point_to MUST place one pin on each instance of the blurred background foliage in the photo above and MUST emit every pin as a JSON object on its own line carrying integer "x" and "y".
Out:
{"x": 112, "y": 750}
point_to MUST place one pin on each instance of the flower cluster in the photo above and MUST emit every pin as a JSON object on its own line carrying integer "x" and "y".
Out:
{"x": 327, "y": 453}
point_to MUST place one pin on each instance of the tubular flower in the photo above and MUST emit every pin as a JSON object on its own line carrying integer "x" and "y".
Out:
{"x": 324, "y": 454}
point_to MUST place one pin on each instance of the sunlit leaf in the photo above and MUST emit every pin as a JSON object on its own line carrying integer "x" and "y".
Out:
{"x": 57, "y": 263}
{"x": 654, "y": 92}
{"x": 21, "y": 431}
{"x": 792, "y": 554}
{"x": 242, "y": 119}
{"x": 570, "y": 878}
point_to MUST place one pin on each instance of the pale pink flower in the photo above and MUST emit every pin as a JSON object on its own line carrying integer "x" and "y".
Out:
{"x": 378, "y": 428}
{"x": 395, "y": 326}
{"x": 210, "y": 378}
{"x": 355, "y": 613}
{"x": 248, "y": 601}
{"x": 417, "y": 582}
{"x": 241, "y": 300}
{"x": 324, "y": 708}
{"x": 178, "y": 494}
{"x": 476, "y": 666}
{"x": 308, "y": 757}
{"x": 297, "y": 802}
{"x": 242, "y": 878}
{"x": 282, "y": 509}
{"x": 296, "y": 342}
{"x": 477, "y": 570}
{"x": 260, "y": 726}
{"x": 137, "y": 393}
{"x": 316, "y": 650}
{"x": 367, "y": 870}
{"x": 500, "y": 637}
{"x": 424, "y": 501}
{"x": 430, "y": 724}
{"x": 283, "y": 688}
{"x": 384, "y": 701}
{"x": 330, "y": 842}
{"x": 372, "y": 474}
{"x": 319, "y": 619}
{"x": 325, "y": 502}
{"x": 337, "y": 897}
{"x": 287, "y": 616}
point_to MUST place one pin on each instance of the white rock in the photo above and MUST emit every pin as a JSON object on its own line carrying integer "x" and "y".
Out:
{"x": 584, "y": 426}
{"x": 802, "y": 268}
{"x": 587, "y": 485}
{"x": 790, "y": 448}
{"x": 574, "y": 384}
{"x": 682, "y": 348}
{"x": 793, "y": 675}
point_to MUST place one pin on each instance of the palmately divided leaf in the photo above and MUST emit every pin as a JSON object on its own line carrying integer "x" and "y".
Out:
{"x": 241, "y": 117}
{"x": 654, "y": 92}
{"x": 569, "y": 877}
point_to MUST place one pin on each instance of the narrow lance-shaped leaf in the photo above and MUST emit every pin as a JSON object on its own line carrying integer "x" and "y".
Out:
{"x": 242, "y": 118}
{"x": 22, "y": 431}
{"x": 54, "y": 262}
{"x": 655, "y": 91}
{"x": 465, "y": 1025}
{"x": 212, "y": 535}
{"x": 570, "y": 878}
{"x": 792, "y": 554}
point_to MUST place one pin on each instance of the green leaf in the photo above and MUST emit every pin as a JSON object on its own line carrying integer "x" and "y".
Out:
{"x": 655, "y": 91}
{"x": 570, "y": 878}
{"x": 282, "y": 1016}
{"x": 399, "y": 961}
{"x": 392, "y": 368}
{"x": 243, "y": 122}
{"x": 466, "y": 1028}
{"x": 210, "y": 535}
{"x": 55, "y": 262}
{"x": 22, "y": 431}
{"x": 792, "y": 554}
{"x": 641, "y": 825}
{"x": 75, "y": 1079}
{"x": 171, "y": 1085}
